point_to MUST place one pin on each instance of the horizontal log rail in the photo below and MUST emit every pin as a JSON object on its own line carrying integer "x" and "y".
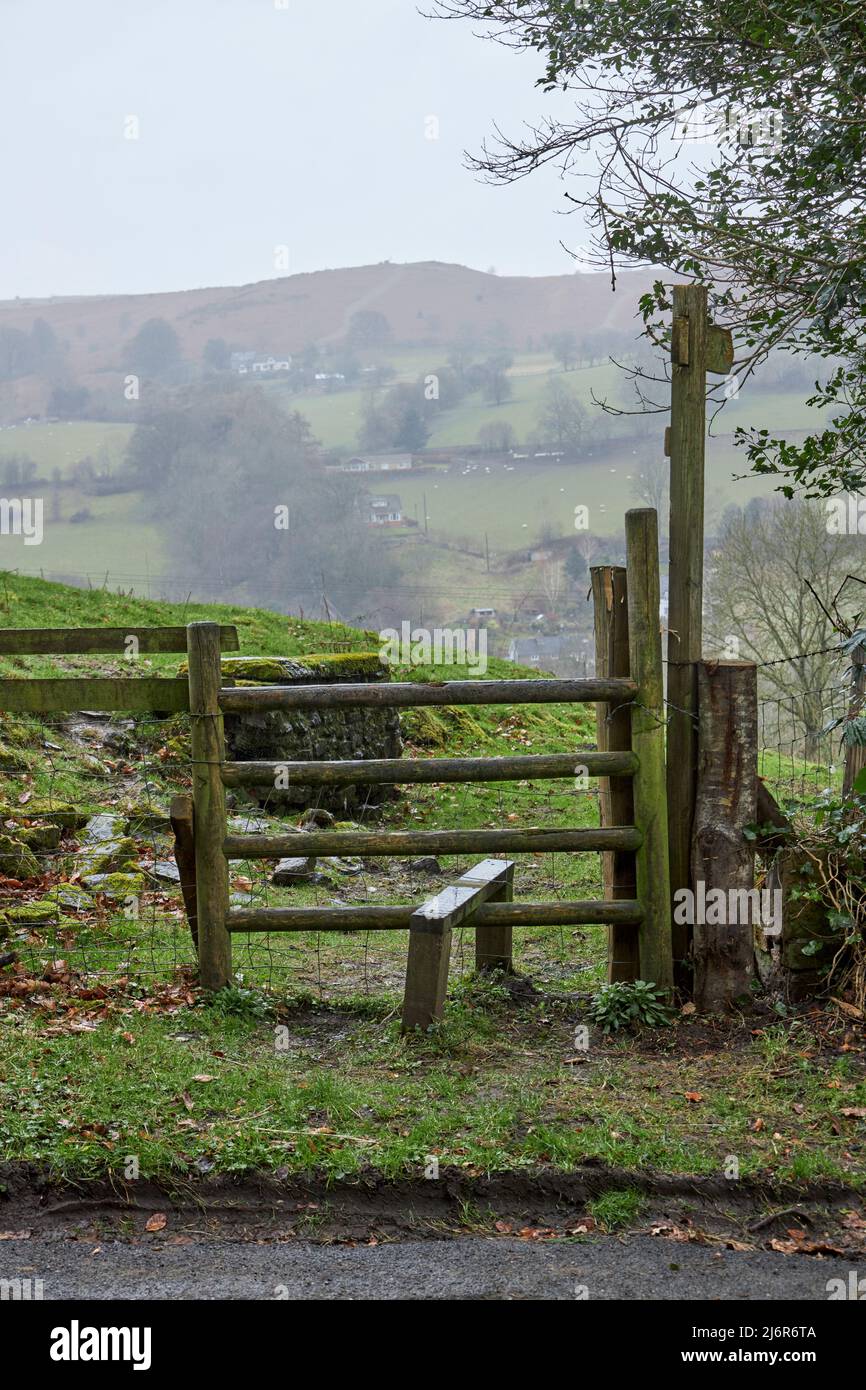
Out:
{"x": 245, "y": 699}
{"x": 398, "y": 771}
{"x": 94, "y": 692}
{"x": 372, "y": 844}
{"x": 378, "y": 918}
{"x": 65, "y": 641}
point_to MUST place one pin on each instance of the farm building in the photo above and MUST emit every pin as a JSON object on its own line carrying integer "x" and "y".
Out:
{"x": 535, "y": 651}
{"x": 385, "y": 510}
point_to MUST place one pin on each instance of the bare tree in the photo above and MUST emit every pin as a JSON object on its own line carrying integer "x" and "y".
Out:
{"x": 761, "y": 607}
{"x": 651, "y": 485}
{"x": 552, "y": 579}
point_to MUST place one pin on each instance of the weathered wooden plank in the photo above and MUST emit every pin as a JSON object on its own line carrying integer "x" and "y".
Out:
{"x": 720, "y": 350}
{"x": 183, "y": 825}
{"x": 383, "y": 918}
{"x": 430, "y": 928}
{"x": 125, "y": 641}
{"x": 458, "y": 900}
{"x": 208, "y": 751}
{"x": 398, "y": 771}
{"x": 648, "y": 741}
{"x": 243, "y": 699}
{"x": 613, "y": 732}
{"x": 94, "y": 692}
{"x": 410, "y": 842}
{"x": 685, "y": 585}
{"x": 723, "y": 860}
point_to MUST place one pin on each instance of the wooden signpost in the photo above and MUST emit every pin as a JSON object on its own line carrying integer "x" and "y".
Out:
{"x": 696, "y": 348}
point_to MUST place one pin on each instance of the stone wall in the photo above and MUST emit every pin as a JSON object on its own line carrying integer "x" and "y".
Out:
{"x": 305, "y": 735}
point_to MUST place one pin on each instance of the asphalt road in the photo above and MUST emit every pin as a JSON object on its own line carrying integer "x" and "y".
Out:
{"x": 467, "y": 1267}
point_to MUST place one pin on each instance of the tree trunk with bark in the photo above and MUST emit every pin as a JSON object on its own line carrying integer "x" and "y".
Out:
{"x": 723, "y": 861}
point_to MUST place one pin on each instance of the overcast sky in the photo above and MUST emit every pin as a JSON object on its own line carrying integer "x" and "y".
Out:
{"x": 261, "y": 124}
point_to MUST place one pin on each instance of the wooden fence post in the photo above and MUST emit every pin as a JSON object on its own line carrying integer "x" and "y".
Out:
{"x": 685, "y": 578}
{"x": 648, "y": 742}
{"x": 208, "y": 753}
{"x": 722, "y": 858}
{"x": 613, "y": 734}
{"x": 183, "y": 824}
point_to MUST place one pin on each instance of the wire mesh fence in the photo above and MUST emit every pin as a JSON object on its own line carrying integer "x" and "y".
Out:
{"x": 89, "y": 887}
{"x": 800, "y": 755}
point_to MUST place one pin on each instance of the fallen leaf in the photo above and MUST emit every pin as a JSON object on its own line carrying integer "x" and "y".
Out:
{"x": 14, "y": 1235}
{"x": 671, "y": 1233}
{"x": 203, "y": 1076}
{"x": 850, "y": 1009}
{"x": 853, "y": 1112}
{"x": 693, "y": 1096}
{"x": 157, "y": 1222}
{"x": 689, "y": 1008}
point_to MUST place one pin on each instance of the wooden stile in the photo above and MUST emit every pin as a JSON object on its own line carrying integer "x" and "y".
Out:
{"x": 430, "y": 928}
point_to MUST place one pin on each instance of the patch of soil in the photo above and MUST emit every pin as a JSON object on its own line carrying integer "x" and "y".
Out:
{"x": 813, "y": 1219}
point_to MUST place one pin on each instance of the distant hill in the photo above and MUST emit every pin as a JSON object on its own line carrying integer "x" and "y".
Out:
{"x": 425, "y": 303}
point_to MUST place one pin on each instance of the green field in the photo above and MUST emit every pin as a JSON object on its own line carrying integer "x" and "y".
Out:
{"x": 512, "y": 507}
{"x": 62, "y": 444}
{"x": 336, "y": 419}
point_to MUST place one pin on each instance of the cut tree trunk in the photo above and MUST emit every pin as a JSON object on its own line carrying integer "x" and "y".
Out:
{"x": 722, "y": 857}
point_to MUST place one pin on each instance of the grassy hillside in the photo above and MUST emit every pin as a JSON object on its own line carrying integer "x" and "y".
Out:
{"x": 426, "y": 302}
{"x": 100, "y": 998}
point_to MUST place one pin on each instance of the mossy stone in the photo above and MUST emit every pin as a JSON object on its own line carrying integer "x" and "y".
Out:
{"x": 319, "y": 666}
{"x": 115, "y": 885}
{"x": 112, "y": 856}
{"x": 16, "y": 860}
{"x": 63, "y": 815}
{"x": 40, "y": 837}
